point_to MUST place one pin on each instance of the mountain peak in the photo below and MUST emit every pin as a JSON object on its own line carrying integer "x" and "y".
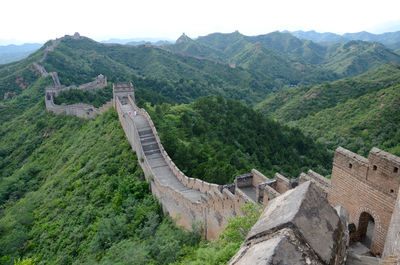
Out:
{"x": 183, "y": 38}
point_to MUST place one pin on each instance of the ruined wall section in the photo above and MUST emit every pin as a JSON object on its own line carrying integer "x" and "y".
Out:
{"x": 283, "y": 184}
{"x": 359, "y": 190}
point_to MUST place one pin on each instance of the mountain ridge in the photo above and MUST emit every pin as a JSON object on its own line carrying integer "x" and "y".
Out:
{"x": 321, "y": 61}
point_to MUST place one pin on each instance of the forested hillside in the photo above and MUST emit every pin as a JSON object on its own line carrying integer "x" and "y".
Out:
{"x": 356, "y": 113}
{"x": 80, "y": 197}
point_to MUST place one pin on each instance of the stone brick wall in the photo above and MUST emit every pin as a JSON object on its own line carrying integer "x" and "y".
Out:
{"x": 359, "y": 190}
{"x": 286, "y": 232}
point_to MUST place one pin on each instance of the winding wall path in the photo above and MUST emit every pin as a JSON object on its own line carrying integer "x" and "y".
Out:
{"x": 80, "y": 110}
{"x": 190, "y": 200}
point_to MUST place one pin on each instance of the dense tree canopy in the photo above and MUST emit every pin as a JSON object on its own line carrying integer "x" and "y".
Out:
{"x": 216, "y": 139}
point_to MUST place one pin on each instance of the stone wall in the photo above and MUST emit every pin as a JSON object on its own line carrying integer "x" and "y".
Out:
{"x": 215, "y": 207}
{"x": 218, "y": 203}
{"x": 80, "y": 110}
{"x": 363, "y": 186}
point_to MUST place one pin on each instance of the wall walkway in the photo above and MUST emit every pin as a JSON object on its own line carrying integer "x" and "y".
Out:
{"x": 191, "y": 201}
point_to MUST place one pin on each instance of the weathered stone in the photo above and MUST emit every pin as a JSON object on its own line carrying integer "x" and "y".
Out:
{"x": 316, "y": 229}
{"x": 279, "y": 249}
{"x": 343, "y": 214}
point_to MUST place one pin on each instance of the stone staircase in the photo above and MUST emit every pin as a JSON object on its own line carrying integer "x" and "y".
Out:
{"x": 159, "y": 166}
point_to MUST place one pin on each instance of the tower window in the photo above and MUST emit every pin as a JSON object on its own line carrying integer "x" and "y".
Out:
{"x": 375, "y": 167}
{"x": 350, "y": 165}
{"x": 395, "y": 170}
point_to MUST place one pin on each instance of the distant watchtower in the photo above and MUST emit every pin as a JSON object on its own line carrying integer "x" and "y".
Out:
{"x": 122, "y": 92}
{"x": 367, "y": 189}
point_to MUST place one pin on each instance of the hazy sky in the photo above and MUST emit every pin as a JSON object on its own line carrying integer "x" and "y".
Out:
{"x": 40, "y": 20}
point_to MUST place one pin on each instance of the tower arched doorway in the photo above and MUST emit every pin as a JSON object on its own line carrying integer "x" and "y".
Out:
{"x": 366, "y": 229}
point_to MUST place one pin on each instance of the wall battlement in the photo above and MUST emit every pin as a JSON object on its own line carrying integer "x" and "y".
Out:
{"x": 380, "y": 170}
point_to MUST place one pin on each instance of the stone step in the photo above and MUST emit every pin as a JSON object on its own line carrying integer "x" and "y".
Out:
{"x": 145, "y": 137}
{"x": 148, "y": 140}
{"x": 152, "y": 145}
{"x": 145, "y": 132}
{"x": 148, "y": 153}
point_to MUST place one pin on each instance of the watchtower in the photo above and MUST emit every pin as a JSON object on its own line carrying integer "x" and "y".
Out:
{"x": 123, "y": 91}
{"x": 367, "y": 189}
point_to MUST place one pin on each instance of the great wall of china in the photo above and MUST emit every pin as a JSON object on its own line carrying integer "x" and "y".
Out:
{"x": 80, "y": 110}
{"x": 365, "y": 192}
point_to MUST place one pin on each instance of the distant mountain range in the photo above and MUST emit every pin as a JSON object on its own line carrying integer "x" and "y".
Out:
{"x": 286, "y": 59}
{"x": 389, "y": 39}
{"x": 137, "y": 41}
{"x": 12, "y": 53}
